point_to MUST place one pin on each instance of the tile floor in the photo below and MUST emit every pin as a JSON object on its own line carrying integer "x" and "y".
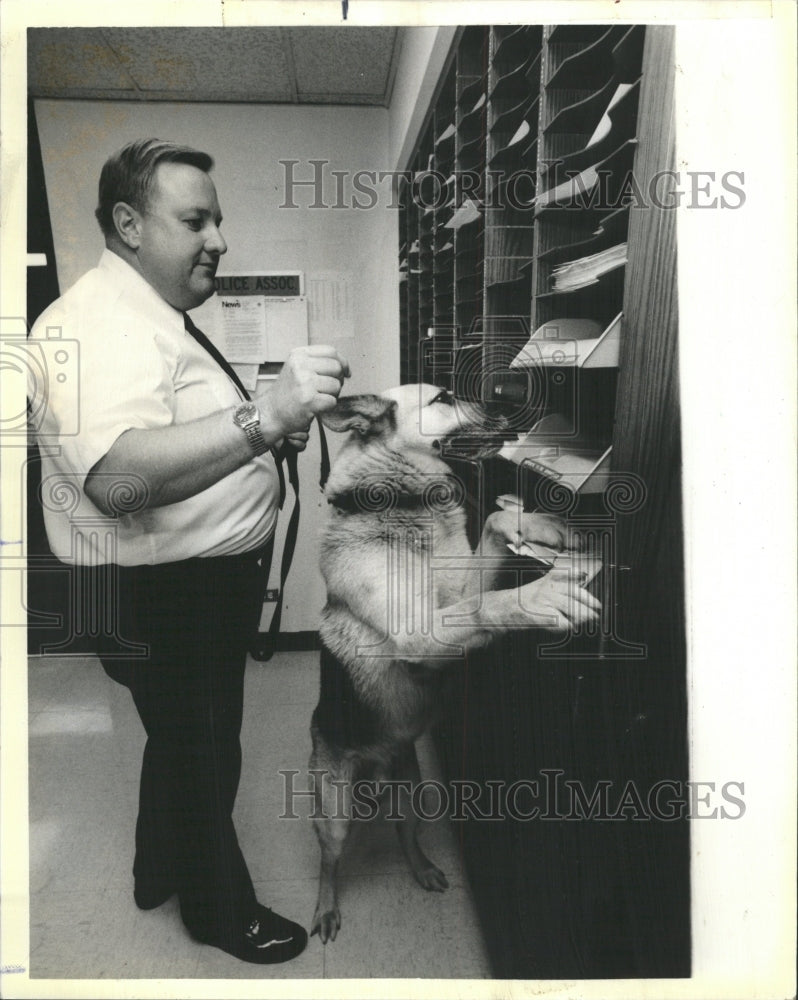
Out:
{"x": 85, "y": 750}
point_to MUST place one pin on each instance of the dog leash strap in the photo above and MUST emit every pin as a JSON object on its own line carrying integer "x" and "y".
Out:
{"x": 265, "y": 651}
{"x": 291, "y": 460}
{"x": 289, "y": 545}
{"x": 324, "y": 472}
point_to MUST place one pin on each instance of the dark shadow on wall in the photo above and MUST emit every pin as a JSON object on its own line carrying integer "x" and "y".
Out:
{"x": 47, "y": 582}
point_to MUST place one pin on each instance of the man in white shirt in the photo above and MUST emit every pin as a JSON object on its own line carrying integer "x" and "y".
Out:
{"x": 167, "y": 493}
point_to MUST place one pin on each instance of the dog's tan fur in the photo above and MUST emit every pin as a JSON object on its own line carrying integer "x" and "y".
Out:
{"x": 406, "y": 597}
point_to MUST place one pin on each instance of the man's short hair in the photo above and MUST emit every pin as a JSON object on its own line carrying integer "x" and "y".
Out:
{"x": 128, "y": 175}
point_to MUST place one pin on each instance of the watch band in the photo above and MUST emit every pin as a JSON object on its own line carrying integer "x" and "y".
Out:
{"x": 256, "y": 439}
{"x": 247, "y": 417}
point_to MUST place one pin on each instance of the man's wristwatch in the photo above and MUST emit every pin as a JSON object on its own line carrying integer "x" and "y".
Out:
{"x": 247, "y": 417}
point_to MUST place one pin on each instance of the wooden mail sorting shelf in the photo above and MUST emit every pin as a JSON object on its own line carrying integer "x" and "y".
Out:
{"x": 534, "y": 285}
{"x": 532, "y": 139}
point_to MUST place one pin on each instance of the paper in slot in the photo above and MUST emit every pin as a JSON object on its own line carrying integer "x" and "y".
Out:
{"x": 478, "y": 105}
{"x": 546, "y": 438}
{"x": 584, "y": 566}
{"x": 605, "y": 125}
{"x": 468, "y": 212}
{"x": 569, "y": 190}
{"x": 615, "y": 165}
{"x": 552, "y": 449}
{"x": 581, "y": 343}
{"x": 520, "y": 133}
{"x": 584, "y": 271}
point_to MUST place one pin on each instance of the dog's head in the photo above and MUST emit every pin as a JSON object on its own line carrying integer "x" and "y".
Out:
{"x": 421, "y": 419}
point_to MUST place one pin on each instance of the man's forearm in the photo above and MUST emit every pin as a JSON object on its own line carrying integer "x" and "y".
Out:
{"x": 167, "y": 464}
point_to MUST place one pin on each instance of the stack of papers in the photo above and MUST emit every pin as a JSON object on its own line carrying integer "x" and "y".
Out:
{"x": 585, "y": 271}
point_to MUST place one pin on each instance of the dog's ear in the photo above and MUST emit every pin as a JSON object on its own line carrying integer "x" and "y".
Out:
{"x": 367, "y": 414}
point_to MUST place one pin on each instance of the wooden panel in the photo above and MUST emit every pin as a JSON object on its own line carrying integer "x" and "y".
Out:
{"x": 647, "y": 436}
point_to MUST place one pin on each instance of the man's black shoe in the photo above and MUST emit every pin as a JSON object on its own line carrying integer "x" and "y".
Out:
{"x": 273, "y": 938}
{"x": 266, "y": 939}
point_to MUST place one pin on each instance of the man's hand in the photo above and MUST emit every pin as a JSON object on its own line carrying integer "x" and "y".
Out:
{"x": 298, "y": 441}
{"x": 309, "y": 383}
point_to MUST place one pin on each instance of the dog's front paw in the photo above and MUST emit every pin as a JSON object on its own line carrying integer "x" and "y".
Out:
{"x": 326, "y": 924}
{"x": 431, "y": 878}
{"x": 515, "y": 528}
{"x": 558, "y": 602}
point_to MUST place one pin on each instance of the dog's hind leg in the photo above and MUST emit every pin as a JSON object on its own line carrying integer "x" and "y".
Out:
{"x": 331, "y": 820}
{"x": 427, "y": 874}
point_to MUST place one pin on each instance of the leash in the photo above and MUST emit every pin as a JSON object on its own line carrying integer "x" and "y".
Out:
{"x": 264, "y": 644}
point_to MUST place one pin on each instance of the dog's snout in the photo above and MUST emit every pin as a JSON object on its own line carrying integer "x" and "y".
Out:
{"x": 476, "y": 432}
{"x": 476, "y": 418}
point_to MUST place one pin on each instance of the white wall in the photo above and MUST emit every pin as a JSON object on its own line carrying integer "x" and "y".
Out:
{"x": 421, "y": 61}
{"x": 735, "y": 93}
{"x": 247, "y": 142}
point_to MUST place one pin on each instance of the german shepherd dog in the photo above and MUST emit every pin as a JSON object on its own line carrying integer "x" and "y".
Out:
{"x": 406, "y": 599}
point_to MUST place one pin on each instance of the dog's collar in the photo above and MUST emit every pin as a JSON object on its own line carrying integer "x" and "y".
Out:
{"x": 436, "y": 494}
{"x": 356, "y": 503}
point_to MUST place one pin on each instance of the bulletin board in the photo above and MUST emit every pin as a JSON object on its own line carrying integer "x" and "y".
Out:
{"x": 256, "y": 318}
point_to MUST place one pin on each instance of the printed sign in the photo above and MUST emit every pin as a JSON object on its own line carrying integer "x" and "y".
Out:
{"x": 268, "y": 283}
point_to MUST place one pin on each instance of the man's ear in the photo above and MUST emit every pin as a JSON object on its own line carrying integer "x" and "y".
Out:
{"x": 367, "y": 414}
{"x": 127, "y": 222}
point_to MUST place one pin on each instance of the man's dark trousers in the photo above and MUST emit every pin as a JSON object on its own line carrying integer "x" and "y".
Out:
{"x": 196, "y": 617}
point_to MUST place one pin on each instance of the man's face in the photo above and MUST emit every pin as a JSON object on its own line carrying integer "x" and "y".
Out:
{"x": 180, "y": 243}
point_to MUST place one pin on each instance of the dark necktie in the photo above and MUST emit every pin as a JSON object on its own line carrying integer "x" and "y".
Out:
{"x": 219, "y": 358}
{"x": 226, "y": 367}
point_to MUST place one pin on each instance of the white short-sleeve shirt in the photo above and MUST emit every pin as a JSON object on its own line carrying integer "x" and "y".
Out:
{"x": 118, "y": 357}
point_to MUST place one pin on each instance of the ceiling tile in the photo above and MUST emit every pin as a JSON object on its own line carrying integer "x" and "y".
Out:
{"x": 74, "y": 57}
{"x": 342, "y": 60}
{"x": 331, "y": 65}
{"x": 225, "y": 62}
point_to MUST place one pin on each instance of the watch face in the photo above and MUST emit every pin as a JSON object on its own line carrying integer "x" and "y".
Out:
{"x": 245, "y": 413}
